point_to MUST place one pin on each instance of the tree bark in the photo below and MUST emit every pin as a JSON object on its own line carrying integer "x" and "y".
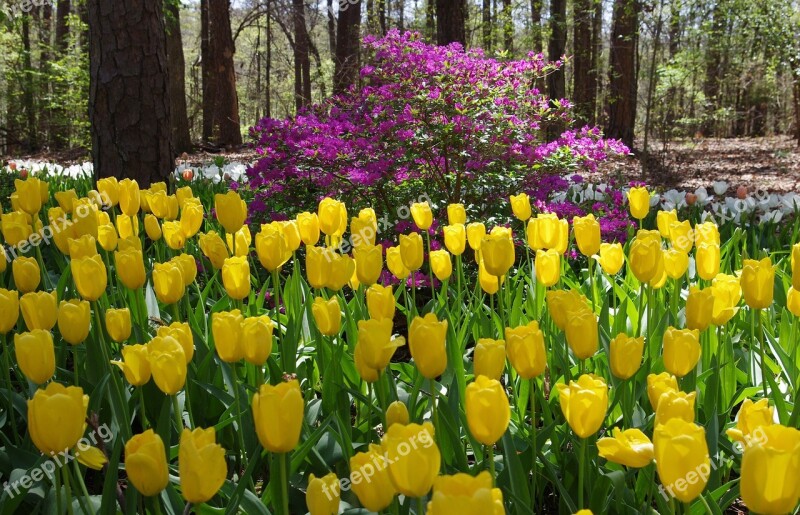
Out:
{"x": 556, "y": 82}
{"x": 347, "y": 48}
{"x": 583, "y": 83}
{"x": 796, "y": 96}
{"x": 331, "y": 30}
{"x": 209, "y": 82}
{"x": 62, "y": 28}
{"x": 177, "y": 83}
{"x": 302, "y": 63}
{"x": 430, "y": 22}
{"x": 486, "y": 24}
{"x": 226, "y": 127}
{"x": 60, "y": 134}
{"x": 451, "y": 22}
{"x": 711, "y": 85}
{"x": 129, "y": 106}
{"x": 28, "y": 99}
{"x": 508, "y": 26}
{"x": 622, "y": 72}
{"x": 536, "y": 24}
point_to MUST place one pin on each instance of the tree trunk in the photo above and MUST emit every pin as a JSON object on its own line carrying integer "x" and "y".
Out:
{"x": 711, "y": 84}
{"x": 62, "y": 28}
{"x": 597, "y": 50}
{"x": 622, "y": 72}
{"x": 486, "y": 25}
{"x": 268, "y": 70}
{"x": 583, "y": 84}
{"x": 60, "y": 134}
{"x": 382, "y": 16}
{"x": 451, "y": 22}
{"x": 536, "y": 25}
{"x": 226, "y": 129}
{"x": 508, "y": 26}
{"x": 129, "y": 106}
{"x": 209, "y": 82}
{"x": 28, "y": 100}
{"x": 556, "y": 82}
{"x": 796, "y": 96}
{"x": 302, "y": 63}
{"x": 430, "y": 22}
{"x": 331, "y": 30}
{"x": 177, "y": 84}
{"x": 347, "y": 48}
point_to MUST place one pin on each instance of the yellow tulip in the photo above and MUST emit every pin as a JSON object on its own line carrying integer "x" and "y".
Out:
{"x": 489, "y": 358}
{"x": 118, "y": 324}
{"x": 168, "y": 282}
{"x": 427, "y": 341}
{"x": 497, "y": 253}
{"x": 376, "y": 342}
{"x": 130, "y": 267}
{"x": 475, "y": 233}
{"x": 108, "y": 187}
{"x": 411, "y": 251}
{"x": 128, "y": 226}
{"x": 442, "y": 264}
{"x": 708, "y": 260}
{"x": 462, "y": 493}
{"x": 455, "y": 238}
{"x": 377, "y": 493}
{"x": 65, "y": 199}
{"x": 26, "y": 274}
{"x": 308, "y": 227}
{"x": 752, "y": 417}
{"x": 793, "y": 301}
{"x": 183, "y": 334}
{"x": 584, "y": 404}
{"x": 521, "y": 206}
{"x": 73, "y": 320}
{"x": 85, "y": 217}
{"x": 364, "y": 231}
{"x": 769, "y": 471}
{"x": 107, "y": 237}
{"x": 36, "y": 355}
{"x": 29, "y": 195}
{"x": 129, "y": 196}
{"x": 342, "y": 269}
{"x": 135, "y": 364}
{"x": 611, "y": 258}
{"x": 658, "y": 385}
{"x": 675, "y": 263}
{"x": 456, "y": 214}
{"x": 489, "y": 283}
{"x": 191, "y": 217}
{"x": 367, "y": 373}
{"x": 369, "y": 263}
{"x": 214, "y": 248}
{"x": 231, "y": 211}
{"x": 201, "y": 465}
{"x": 625, "y": 355}
{"x": 646, "y": 258}
{"x": 226, "y": 327}
{"x": 327, "y": 315}
{"x": 257, "y": 339}
{"x": 39, "y": 310}
{"x": 758, "y": 281}
{"x": 278, "y": 414}
{"x": 394, "y": 262}
{"x": 422, "y": 215}
{"x": 526, "y": 350}
{"x": 318, "y": 266}
{"x": 699, "y": 308}
{"x": 9, "y": 310}
{"x": 639, "y": 202}
{"x": 681, "y": 235}
{"x": 16, "y": 227}
{"x": 152, "y": 227}
{"x": 57, "y": 417}
{"x": 562, "y": 303}
{"x": 630, "y": 448}
{"x": 167, "y": 364}
{"x": 332, "y": 216}
{"x": 706, "y": 232}
{"x": 236, "y": 277}
{"x": 682, "y": 459}
{"x": 272, "y": 247}
{"x": 664, "y": 220}
{"x": 587, "y": 234}
{"x": 396, "y": 413}
{"x": 380, "y": 302}
{"x": 675, "y": 404}
{"x": 582, "y": 333}
{"x": 488, "y": 410}
{"x": 548, "y": 267}
{"x": 412, "y": 467}
{"x": 146, "y": 463}
{"x": 322, "y": 494}
{"x": 681, "y": 350}
{"x": 184, "y": 195}
{"x": 239, "y": 243}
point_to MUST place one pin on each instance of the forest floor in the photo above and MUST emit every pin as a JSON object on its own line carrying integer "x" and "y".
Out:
{"x": 769, "y": 163}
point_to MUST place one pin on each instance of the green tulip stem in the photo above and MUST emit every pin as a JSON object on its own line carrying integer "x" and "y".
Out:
{"x": 420, "y": 505}
{"x": 57, "y": 486}
{"x": 238, "y": 412}
{"x": 591, "y": 284}
{"x": 176, "y": 411}
{"x": 641, "y": 312}
{"x": 434, "y": 411}
{"x": 413, "y": 309}
{"x": 762, "y": 342}
{"x": 581, "y": 472}
{"x": 120, "y": 405}
{"x": 284, "y": 458}
{"x": 490, "y": 460}
{"x": 76, "y": 365}
{"x": 501, "y": 305}
{"x": 176, "y": 313}
{"x": 534, "y": 446}
{"x": 705, "y": 503}
{"x": 84, "y": 491}
{"x": 42, "y": 268}
{"x": 368, "y": 406}
{"x": 459, "y": 273}
{"x": 7, "y": 372}
{"x": 156, "y": 505}
{"x": 187, "y": 509}
{"x": 68, "y": 489}
{"x": 430, "y": 265}
{"x": 140, "y": 394}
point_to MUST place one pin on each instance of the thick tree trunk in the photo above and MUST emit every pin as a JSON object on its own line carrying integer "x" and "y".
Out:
{"x": 28, "y": 100}
{"x": 302, "y": 63}
{"x": 556, "y": 82}
{"x": 583, "y": 83}
{"x": 209, "y": 82}
{"x": 347, "y": 48}
{"x": 597, "y": 50}
{"x": 622, "y": 72}
{"x": 536, "y": 25}
{"x": 177, "y": 83}
{"x": 60, "y": 134}
{"x": 430, "y": 22}
{"x": 486, "y": 24}
{"x": 451, "y": 22}
{"x": 226, "y": 129}
{"x": 62, "y": 28}
{"x": 129, "y": 106}
{"x": 331, "y": 30}
{"x": 508, "y": 26}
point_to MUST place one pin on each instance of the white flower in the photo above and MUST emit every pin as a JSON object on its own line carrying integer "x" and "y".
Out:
{"x": 720, "y": 187}
{"x": 677, "y": 199}
{"x": 702, "y": 196}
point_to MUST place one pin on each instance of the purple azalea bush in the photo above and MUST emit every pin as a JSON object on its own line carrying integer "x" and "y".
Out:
{"x": 451, "y": 124}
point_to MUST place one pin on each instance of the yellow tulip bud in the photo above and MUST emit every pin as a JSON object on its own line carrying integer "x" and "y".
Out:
{"x": 497, "y": 253}
{"x": 152, "y": 228}
{"x": 39, "y": 310}
{"x": 793, "y": 301}
{"x": 291, "y": 233}
{"x": 611, "y": 258}
{"x": 214, "y": 248}
{"x": 128, "y": 226}
{"x": 455, "y": 238}
{"x": 146, "y": 463}
{"x": 65, "y": 199}
{"x": 489, "y": 358}
{"x": 236, "y": 277}
{"x": 36, "y": 355}
{"x": 26, "y": 274}
{"x": 239, "y": 243}
{"x": 489, "y": 283}
{"x": 173, "y": 235}
{"x": 526, "y": 350}
{"x": 168, "y": 282}
{"x": 708, "y": 260}
{"x": 630, "y": 448}
{"x": 107, "y": 237}
{"x": 278, "y": 414}
{"x": 412, "y": 471}
{"x": 191, "y": 217}
{"x": 699, "y": 308}
{"x": 584, "y": 404}
{"x": 645, "y": 259}
{"x": 587, "y": 234}
{"x": 16, "y": 227}
{"x": 231, "y": 211}
{"x": 427, "y": 341}
{"x": 272, "y": 247}
{"x": 680, "y": 450}
{"x": 411, "y": 251}
{"x": 376, "y": 342}
{"x": 327, "y": 315}
{"x": 394, "y": 262}
{"x": 9, "y": 310}
{"x": 73, "y": 320}
{"x": 769, "y": 471}
{"x": 342, "y": 269}
{"x": 130, "y": 267}
{"x": 675, "y": 263}
{"x": 118, "y": 324}
{"x": 548, "y": 267}
{"x": 625, "y": 355}
{"x": 367, "y": 373}
{"x": 658, "y": 385}
{"x": 377, "y": 493}
{"x": 332, "y": 216}
{"x": 369, "y": 263}
{"x": 707, "y": 233}
{"x": 380, "y": 302}
{"x": 456, "y": 215}
{"x": 167, "y": 364}
{"x": 462, "y": 493}
{"x": 109, "y": 188}
{"x": 582, "y": 334}
{"x": 129, "y": 196}
{"x": 639, "y": 202}
{"x": 135, "y": 364}
{"x": 521, "y": 206}
{"x": 488, "y": 410}
{"x": 758, "y": 282}
{"x": 201, "y": 465}
{"x": 681, "y": 350}
{"x": 475, "y": 233}
{"x": 322, "y": 495}
{"x": 752, "y": 418}
{"x": 308, "y": 227}
{"x": 664, "y": 220}
{"x": 226, "y": 327}
{"x": 422, "y": 215}
{"x": 396, "y": 413}
{"x": 675, "y": 404}
{"x": 441, "y": 264}
{"x": 29, "y": 195}
{"x": 257, "y": 339}
{"x": 681, "y": 235}
{"x": 67, "y": 406}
